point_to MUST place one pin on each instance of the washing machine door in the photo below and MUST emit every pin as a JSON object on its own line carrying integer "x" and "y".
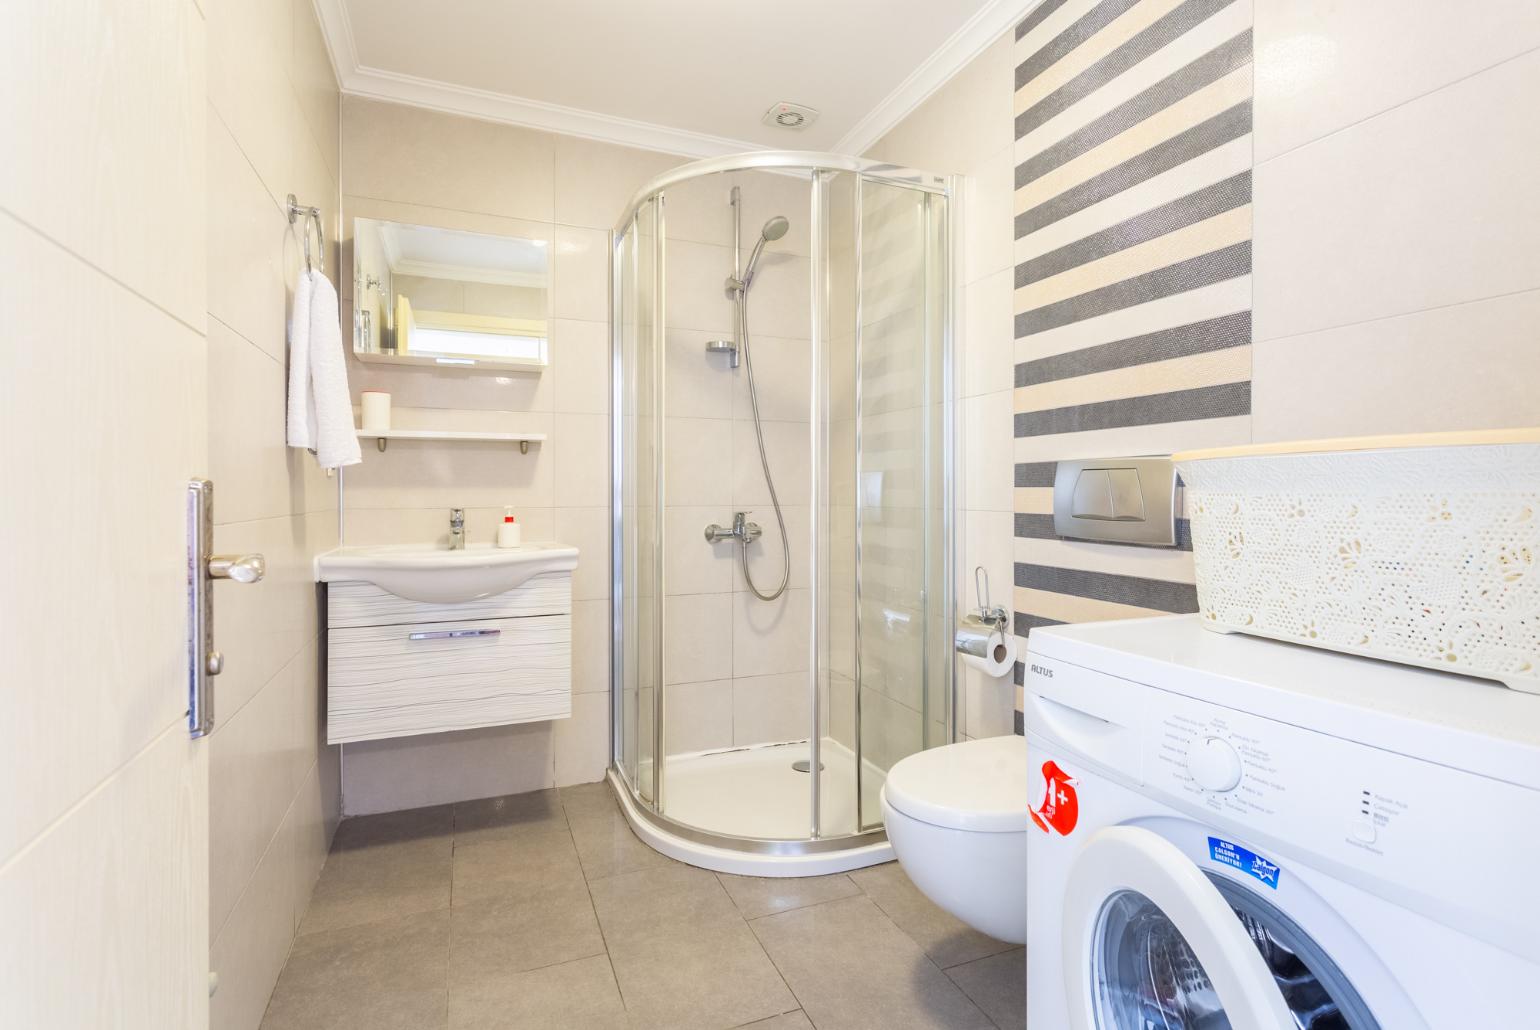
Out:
{"x": 1151, "y": 944}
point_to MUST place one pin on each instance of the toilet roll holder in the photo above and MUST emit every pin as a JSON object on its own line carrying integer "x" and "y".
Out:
{"x": 976, "y": 635}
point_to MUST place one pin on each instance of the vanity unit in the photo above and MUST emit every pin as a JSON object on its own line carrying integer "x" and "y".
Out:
{"x": 427, "y": 640}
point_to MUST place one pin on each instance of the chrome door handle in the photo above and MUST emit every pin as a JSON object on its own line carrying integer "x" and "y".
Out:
{"x": 203, "y": 661}
{"x": 454, "y": 634}
{"x": 243, "y": 568}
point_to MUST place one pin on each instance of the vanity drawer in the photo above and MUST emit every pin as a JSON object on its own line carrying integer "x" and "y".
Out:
{"x": 432, "y": 677}
{"x": 352, "y": 603}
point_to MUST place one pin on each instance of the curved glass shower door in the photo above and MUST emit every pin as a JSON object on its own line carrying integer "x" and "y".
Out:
{"x": 782, "y": 555}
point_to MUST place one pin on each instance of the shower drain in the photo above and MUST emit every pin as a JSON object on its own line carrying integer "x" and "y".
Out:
{"x": 805, "y": 765}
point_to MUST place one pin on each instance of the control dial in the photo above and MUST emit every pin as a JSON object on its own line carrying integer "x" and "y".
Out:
{"x": 1214, "y": 765}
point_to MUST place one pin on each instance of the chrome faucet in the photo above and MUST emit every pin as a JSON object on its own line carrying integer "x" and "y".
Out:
{"x": 744, "y": 531}
{"x": 457, "y": 529}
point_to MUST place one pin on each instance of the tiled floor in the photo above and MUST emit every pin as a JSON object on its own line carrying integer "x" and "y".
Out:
{"x": 544, "y": 911}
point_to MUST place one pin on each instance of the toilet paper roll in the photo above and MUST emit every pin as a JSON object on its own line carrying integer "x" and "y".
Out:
{"x": 376, "y": 410}
{"x": 985, "y": 648}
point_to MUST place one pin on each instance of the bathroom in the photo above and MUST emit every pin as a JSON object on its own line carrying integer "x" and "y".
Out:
{"x": 639, "y": 446}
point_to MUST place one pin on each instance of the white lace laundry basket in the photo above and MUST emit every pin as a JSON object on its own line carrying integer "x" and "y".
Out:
{"x": 1413, "y": 549}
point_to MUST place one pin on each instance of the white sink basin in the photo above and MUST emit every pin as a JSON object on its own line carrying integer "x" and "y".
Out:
{"x": 422, "y": 572}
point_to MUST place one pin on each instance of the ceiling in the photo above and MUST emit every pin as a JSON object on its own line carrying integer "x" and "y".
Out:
{"x": 693, "y": 76}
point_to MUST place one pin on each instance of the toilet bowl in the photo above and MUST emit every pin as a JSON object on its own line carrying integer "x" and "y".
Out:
{"x": 957, "y": 819}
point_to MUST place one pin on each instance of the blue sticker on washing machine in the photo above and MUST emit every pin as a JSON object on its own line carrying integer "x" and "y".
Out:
{"x": 1245, "y": 861}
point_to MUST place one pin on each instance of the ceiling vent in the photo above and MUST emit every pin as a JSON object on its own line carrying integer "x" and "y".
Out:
{"x": 790, "y": 116}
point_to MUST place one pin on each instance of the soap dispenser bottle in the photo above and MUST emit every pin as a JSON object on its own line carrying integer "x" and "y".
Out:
{"x": 508, "y": 530}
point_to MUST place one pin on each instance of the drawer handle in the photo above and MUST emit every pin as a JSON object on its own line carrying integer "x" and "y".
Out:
{"x": 452, "y": 634}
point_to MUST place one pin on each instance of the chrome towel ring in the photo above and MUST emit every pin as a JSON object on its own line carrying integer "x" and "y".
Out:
{"x": 312, "y": 216}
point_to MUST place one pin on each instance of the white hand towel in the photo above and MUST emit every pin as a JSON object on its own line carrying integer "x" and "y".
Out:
{"x": 318, "y": 367}
{"x": 301, "y": 402}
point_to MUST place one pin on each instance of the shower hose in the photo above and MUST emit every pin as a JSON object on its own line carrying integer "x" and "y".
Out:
{"x": 741, "y": 295}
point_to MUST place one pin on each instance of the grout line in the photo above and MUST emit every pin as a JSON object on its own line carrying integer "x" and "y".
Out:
{"x": 201, "y": 331}
{"x": 1394, "y": 107}
{"x": 1398, "y": 314}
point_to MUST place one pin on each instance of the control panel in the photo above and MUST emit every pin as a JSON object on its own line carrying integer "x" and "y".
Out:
{"x": 1407, "y": 825}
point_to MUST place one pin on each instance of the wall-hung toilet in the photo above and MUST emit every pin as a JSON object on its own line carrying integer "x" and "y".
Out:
{"x": 957, "y": 819}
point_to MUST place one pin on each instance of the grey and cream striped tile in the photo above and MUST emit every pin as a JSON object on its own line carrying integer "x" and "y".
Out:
{"x": 1132, "y": 222}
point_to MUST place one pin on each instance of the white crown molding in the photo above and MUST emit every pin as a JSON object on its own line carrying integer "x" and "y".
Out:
{"x": 975, "y": 35}
{"x": 358, "y": 79}
{"x": 378, "y": 84}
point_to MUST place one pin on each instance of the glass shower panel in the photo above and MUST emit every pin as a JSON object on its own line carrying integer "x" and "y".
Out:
{"x": 637, "y": 652}
{"x": 902, "y": 659}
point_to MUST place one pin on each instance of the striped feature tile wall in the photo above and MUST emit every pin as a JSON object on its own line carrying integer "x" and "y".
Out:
{"x": 1133, "y": 273}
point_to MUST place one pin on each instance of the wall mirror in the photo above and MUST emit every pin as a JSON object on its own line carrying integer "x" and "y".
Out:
{"x": 423, "y": 295}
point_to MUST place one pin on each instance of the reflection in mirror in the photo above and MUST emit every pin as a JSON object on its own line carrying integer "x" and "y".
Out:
{"x": 423, "y": 295}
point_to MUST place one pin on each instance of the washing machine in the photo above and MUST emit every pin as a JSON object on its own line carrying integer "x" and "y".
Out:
{"x": 1235, "y": 832}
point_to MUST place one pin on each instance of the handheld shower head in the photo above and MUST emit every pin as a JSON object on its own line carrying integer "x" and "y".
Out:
{"x": 774, "y": 229}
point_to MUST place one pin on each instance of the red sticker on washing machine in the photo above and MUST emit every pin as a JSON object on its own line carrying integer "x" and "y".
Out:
{"x": 1060, "y": 809}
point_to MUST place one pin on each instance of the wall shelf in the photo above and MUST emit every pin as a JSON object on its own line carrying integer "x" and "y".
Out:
{"x": 530, "y": 366}
{"x": 382, "y": 436}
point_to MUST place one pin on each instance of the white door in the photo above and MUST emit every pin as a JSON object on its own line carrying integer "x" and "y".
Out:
{"x": 103, "y": 795}
{"x": 1150, "y": 942}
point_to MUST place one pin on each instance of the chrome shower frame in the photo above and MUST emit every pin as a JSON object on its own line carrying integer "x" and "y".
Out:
{"x": 632, "y": 797}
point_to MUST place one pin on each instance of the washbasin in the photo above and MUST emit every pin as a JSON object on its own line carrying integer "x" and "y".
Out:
{"x": 423, "y": 572}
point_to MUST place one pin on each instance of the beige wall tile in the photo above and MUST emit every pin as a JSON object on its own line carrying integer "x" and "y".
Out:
{"x": 698, "y": 638}
{"x": 245, "y": 246}
{"x": 588, "y": 529}
{"x": 987, "y": 342}
{"x": 1322, "y": 66}
{"x": 249, "y": 950}
{"x": 700, "y": 716}
{"x": 771, "y": 709}
{"x": 1467, "y": 366}
{"x": 252, "y": 783}
{"x": 595, "y": 181}
{"x": 407, "y": 154}
{"x": 580, "y": 366}
{"x": 251, "y": 50}
{"x": 965, "y": 121}
{"x": 582, "y": 741}
{"x": 580, "y": 278}
{"x": 1374, "y": 222}
{"x": 591, "y": 646}
{"x": 770, "y": 636}
{"x": 316, "y": 84}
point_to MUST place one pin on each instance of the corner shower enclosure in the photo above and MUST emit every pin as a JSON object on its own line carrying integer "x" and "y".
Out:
{"x": 781, "y": 417}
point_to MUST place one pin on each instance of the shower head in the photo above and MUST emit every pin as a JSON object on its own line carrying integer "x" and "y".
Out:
{"x": 774, "y": 229}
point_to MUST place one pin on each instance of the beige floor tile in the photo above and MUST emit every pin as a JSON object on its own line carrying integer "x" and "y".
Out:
{"x": 945, "y": 938}
{"x": 852, "y": 968}
{"x": 786, "y": 1021}
{"x": 499, "y": 818}
{"x": 577, "y": 995}
{"x": 588, "y": 799}
{"x": 607, "y": 845}
{"x": 758, "y": 896}
{"x": 998, "y": 985}
{"x": 388, "y": 975}
{"x": 705, "y": 978}
{"x": 365, "y": 883}
{"x": 492, "y": 941}
{"x": 515, "y": 869}
{"x": 650, "y": 902}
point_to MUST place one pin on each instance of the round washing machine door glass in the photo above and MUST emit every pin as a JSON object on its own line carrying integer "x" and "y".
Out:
{"x": 1169, "y": 946}
{"x": 1151, "y": 944}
